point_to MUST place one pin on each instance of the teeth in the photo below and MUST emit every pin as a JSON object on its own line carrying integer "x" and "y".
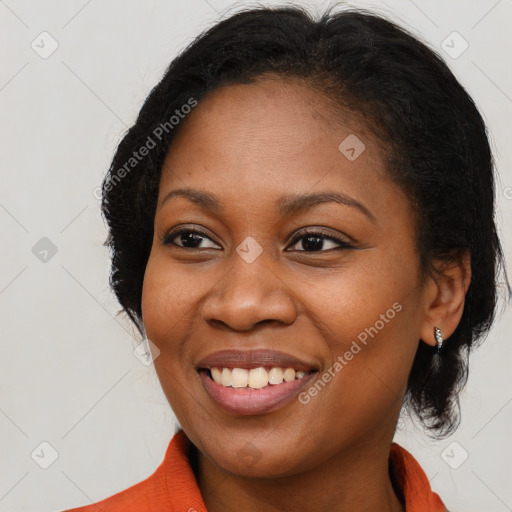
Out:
{"x": 258, "y": 378}
{"x": 239, "y": 377}
{"x": 226, "y": 377}
{"x": 216, "y": 375}
{"x": 275, "y": 376}
{"x": 289, "y": 375}
{"x": 255, "y": 378}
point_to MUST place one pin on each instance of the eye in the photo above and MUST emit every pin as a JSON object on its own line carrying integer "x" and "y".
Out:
{"x": 188, "y": 238}
{"x": 311, "y": 240}
{"x": 314, "y": 241}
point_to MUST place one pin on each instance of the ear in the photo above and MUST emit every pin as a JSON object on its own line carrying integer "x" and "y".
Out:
{"x": 445, "y": 294}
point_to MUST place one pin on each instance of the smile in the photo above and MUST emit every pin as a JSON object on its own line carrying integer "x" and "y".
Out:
{"x": 254, "y": 382}
{"x": 247, "y": 400}
{"x": 256, "y": 378}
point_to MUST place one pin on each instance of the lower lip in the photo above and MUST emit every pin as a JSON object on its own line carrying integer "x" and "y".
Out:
{"x": 248, "y": 401}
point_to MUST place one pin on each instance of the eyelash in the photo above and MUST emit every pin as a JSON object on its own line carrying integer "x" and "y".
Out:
{"x": 168, "y": 237}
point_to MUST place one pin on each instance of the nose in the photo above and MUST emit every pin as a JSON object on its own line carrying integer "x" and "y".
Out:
{"x": 249, "y": 294}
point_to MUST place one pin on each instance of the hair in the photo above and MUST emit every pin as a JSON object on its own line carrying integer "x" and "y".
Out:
{"x": 436, "y": 150}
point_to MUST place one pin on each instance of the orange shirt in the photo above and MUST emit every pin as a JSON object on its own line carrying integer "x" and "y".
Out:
{"x": 173, "y": 486}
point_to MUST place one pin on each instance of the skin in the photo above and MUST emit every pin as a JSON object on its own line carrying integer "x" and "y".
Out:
{"x": 249, "y": 145}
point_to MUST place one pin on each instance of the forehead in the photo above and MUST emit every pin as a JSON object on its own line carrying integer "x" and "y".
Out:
{"x": 251, "y": 142}
{"x": 287, "y": 114}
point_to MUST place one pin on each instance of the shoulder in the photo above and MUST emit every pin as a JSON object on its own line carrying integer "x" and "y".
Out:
{"x": 413, "y": 482}
{"x": 171, "y": 487}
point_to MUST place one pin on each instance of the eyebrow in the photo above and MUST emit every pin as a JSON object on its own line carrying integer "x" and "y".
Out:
{"x": 287, "y": 205}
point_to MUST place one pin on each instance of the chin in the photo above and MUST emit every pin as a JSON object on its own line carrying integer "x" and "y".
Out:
{"x": 252, "y": 456}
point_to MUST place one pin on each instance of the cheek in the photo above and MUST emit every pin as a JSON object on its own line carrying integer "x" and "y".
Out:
{"x": 165, "y": 306}
{"x": 368, "y": 316}
{"x": 167, "y": 303}
{"x": 167, "y": 297}
{"x": 370, "y": 358}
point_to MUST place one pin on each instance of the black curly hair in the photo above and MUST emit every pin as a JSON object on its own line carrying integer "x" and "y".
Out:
{"x": 435, "y": 142}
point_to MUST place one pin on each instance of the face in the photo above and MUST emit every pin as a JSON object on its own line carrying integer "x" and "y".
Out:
{"x": 257, "y": 273}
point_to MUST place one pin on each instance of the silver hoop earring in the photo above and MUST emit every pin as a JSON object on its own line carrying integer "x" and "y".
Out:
{"x": 439, "y": 338}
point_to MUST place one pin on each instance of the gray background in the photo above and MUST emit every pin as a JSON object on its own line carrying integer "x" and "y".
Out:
{"x": 68, "y": 375}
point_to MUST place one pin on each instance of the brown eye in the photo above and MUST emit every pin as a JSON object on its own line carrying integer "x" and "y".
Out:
{"x": 187, "y": 239}
{"x": 316, "y": 241}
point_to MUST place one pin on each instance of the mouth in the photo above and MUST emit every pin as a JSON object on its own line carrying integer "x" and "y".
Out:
{"x": 255, "y": 378}
{"x": 253, "y": 382}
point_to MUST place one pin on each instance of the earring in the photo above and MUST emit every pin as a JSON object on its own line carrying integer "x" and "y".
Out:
{"x": 439, "y": 338}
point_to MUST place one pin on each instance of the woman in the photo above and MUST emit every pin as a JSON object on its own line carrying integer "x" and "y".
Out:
{"x": 302, "y": 223}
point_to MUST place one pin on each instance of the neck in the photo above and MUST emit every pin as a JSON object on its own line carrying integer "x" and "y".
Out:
{"x": 356, "y": 479}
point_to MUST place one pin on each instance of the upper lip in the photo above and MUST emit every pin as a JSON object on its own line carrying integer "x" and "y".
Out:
{"x": 254, "y": 359}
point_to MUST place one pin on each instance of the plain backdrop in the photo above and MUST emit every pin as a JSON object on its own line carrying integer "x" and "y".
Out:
{"x": 74, "y": 397}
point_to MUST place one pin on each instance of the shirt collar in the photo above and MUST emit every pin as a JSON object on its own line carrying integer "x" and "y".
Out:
{"x": 183, "y": 491}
